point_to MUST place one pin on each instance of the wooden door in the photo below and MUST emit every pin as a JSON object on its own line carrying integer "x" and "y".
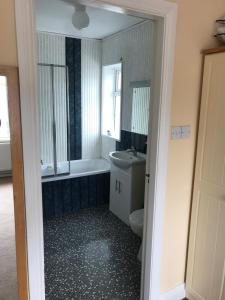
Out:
{"x": 206, "y": 257}
{"x": 11, "y": 74}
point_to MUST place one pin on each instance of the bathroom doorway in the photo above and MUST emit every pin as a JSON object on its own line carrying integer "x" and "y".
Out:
{"x": 94, "y": 106}
{"x": 166, "y": 16}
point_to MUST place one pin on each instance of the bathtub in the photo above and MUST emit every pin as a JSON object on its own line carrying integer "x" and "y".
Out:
{"x": 87, "y": 186}
{"x": 78, "y": 168}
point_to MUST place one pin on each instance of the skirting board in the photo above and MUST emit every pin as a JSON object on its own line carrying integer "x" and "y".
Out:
{"x": 176, "y": 294}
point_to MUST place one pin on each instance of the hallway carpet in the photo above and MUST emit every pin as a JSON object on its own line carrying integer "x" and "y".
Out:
{"x": 91, "y": 255}
{"x": 8, "y": 284}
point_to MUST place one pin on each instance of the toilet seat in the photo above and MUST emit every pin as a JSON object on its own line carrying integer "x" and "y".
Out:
{"x": 136, "y": 219}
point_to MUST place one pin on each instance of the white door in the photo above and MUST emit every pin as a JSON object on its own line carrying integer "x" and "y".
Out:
{"x": 206, "y": 258}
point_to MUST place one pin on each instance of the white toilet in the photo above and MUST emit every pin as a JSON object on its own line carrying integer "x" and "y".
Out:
{"x": 136, "y": 220}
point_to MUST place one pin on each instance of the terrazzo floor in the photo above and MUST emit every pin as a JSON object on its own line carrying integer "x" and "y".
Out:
{"x": 91, "y": 255}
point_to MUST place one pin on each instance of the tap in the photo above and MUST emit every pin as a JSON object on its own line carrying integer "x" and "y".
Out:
{"x": 132, "y": 150}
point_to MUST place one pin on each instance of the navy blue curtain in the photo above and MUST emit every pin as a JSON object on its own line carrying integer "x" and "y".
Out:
{"x": 73, "y": 61}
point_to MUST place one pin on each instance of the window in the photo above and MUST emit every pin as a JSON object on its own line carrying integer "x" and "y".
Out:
{"x": 4, "y": 119}
{"x": 111, "y": 100}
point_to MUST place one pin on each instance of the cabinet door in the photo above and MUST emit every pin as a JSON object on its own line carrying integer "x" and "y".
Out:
{"x": 120, "y": 194}
{"x": 206, "y": 257}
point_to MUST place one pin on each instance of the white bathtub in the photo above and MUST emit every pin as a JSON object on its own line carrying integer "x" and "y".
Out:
{"x": 78, "y": 168}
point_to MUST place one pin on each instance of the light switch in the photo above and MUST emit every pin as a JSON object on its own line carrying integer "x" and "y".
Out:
{"x": 185, "y": 131}
{"x": 180, "y": 132}
{"x": 176, "y": 133}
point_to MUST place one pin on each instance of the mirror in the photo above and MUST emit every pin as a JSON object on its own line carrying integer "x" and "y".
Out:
{"x": 140, "y": 107}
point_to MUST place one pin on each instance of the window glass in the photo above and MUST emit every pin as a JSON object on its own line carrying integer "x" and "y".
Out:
{"x": 4, "y": 118}
{"x": 111, "y": 100}
{"x": 118, "y": 80}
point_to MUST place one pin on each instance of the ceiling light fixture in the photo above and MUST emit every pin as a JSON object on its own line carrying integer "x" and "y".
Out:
{"x": 80, "y": 18}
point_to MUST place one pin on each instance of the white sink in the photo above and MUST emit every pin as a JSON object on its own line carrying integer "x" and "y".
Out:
{"x": 125, "y": 159}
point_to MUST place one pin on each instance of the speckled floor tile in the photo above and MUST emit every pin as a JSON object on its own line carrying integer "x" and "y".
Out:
{"x": 91, "y": 255}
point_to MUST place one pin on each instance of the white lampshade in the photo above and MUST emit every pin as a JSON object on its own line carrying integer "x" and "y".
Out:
{"x": 80, "y": 18}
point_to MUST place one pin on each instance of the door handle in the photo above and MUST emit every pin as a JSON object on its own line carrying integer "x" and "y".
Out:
{"x": 116, "y": 185}
{"x": 119, "y": 187}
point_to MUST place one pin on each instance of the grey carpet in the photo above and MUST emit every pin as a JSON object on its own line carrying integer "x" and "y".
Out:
{"x": 8, "y": 284}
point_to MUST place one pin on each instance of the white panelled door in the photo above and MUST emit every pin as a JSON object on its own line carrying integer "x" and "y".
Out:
{"x": 206, "y": 258}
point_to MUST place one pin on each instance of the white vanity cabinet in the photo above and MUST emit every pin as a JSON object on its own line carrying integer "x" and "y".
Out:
{"x": 126, "y": 190}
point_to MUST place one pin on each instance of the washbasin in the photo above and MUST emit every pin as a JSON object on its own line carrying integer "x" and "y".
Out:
{"x": 126, "y": 159}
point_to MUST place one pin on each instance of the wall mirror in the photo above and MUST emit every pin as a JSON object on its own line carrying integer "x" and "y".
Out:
{"x": 140, "y": 106}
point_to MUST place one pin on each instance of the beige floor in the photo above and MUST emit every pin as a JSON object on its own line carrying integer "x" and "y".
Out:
{"x": 8, "y": 285}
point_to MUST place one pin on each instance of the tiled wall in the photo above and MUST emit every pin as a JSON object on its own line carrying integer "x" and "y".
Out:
{"x": 73, "y": 61}
{"x": 67, "y": 196}
{"x": 129, "y": 139}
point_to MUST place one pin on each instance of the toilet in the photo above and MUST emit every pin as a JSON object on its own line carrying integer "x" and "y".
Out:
{"x": 136, "y": 219}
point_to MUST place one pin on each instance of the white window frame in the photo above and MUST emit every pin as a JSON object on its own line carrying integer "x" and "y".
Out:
{"x": 112, "y": 132}
{"x": 165, "y": 14}
{"x": 6, "y": 139}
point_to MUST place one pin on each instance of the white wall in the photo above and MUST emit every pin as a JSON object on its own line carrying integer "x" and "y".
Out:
{"x": 91, "y": 97}
{"x": 136, "y": 47}
{"x": 51, "y": 49}
{"x": 5, "y": 157}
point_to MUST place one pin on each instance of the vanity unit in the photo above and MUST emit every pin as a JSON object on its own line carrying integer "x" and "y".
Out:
{"x": 127, "y": 183}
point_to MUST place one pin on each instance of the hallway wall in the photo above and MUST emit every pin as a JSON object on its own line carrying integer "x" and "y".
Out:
{"x": 195, "y": 29}
{"x": 194, "y": 32}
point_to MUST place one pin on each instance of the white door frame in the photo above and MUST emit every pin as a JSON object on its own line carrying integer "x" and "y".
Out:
{"x": 165, "y": 14}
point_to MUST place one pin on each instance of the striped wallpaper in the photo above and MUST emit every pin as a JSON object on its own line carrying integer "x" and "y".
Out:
{"x": 90, "y": 95}
{"x": 60, "y": 113}
{"x": 136, "y": 47}
{"x": 51, "y": 50}
{"x": 45, "y": 114}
